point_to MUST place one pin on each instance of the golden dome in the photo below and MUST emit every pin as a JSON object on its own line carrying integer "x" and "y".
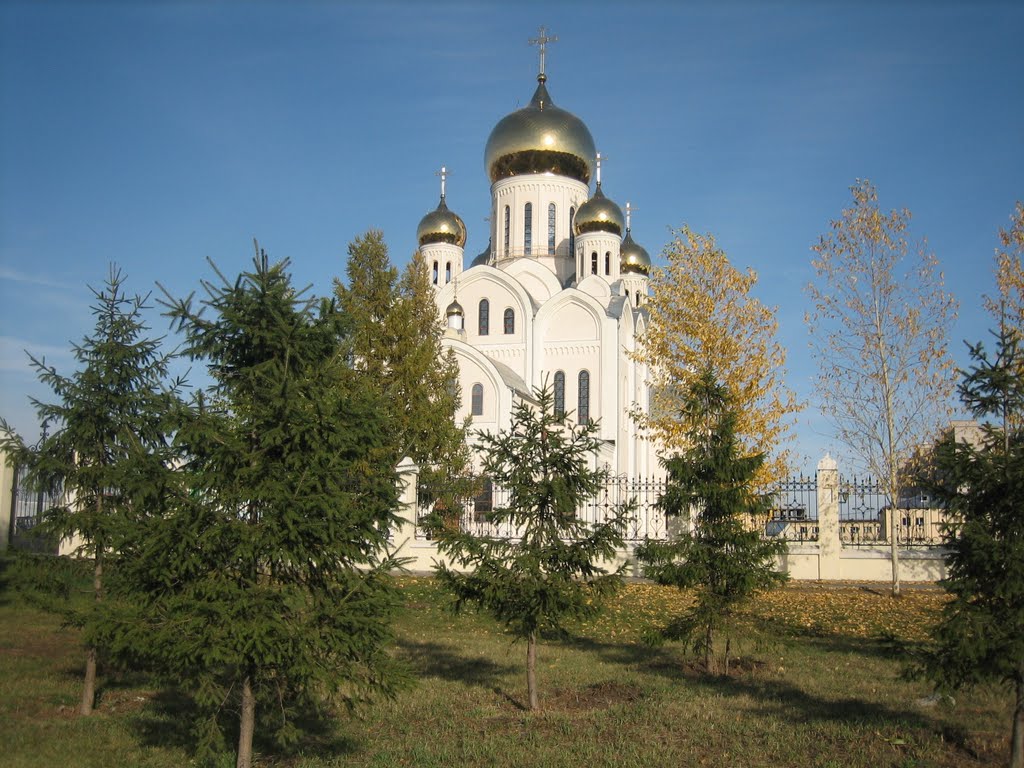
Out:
{"x": 454, "y": 309}
{"x": 540, "y": 138}
{"x": 599, "y": 214}
{"x": 633, "y": 257}
{"x": 441, "y": 226}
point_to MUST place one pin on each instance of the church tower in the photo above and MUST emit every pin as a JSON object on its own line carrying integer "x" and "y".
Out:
{"x": 635, "y": 264}
{"x": 442, "y": 238}
{"x": 598, "y": 227}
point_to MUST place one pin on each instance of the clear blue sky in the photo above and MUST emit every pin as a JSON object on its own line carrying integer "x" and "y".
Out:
{"x": 157, "y": 134}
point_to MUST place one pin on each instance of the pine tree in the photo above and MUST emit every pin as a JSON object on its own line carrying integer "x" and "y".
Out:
{"x": 724, "y": 559}
{"x": 549, "y": 570}
{"x": 981, "y": 634}
{"x": 397, "y": 342}
{"x": 267, "y": 584}
{"x": 109, "y": 447}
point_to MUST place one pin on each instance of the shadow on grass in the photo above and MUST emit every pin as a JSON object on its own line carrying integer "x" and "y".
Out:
{"x": 445, "y": 662}
{"x": 170, "y": 720}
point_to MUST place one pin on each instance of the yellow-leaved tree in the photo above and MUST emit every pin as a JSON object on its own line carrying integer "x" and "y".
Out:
{"x": 1007, "y": 305}
{"x": 879, "y": 334}
{"x": 703, "y": 316}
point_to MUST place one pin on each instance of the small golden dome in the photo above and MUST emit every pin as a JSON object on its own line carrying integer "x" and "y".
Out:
{"x": 599, "y": 214}
{"x": 441, "y": 226}
{"x": 454, "y": 309}
{"x": 540, "y": 138}
{"x": 633, "y": 257}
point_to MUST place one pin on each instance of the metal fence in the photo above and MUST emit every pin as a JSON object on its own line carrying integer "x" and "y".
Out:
{"x": 864, "y": 517}
{"x": 28, "y": 504}
{"x": 794, "y": 512}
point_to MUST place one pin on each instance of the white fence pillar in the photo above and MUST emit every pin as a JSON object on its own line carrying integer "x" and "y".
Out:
{"x": 6, "y": 500}
{"x": 829, "y": 547}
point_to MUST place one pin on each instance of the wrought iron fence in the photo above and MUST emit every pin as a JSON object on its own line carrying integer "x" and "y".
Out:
{"x": 644, "y": 520}
{"x": 794, "y": 512}
{"x": 28, "y": 505}
{"x": 864, "y": 520}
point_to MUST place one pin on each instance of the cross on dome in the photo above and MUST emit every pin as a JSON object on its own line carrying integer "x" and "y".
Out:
{"x": 629, "y": 210}
{"x": 443, "y": 173}
{"x": 541, "y": 41}
{"x": 598, "y": 172}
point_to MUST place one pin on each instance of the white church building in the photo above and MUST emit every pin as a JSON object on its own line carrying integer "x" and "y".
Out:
{"x": 557, "y": 296}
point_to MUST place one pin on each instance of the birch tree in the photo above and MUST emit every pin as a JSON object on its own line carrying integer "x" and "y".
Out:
{"x": 1007, "y": 305}
{"x": 703, "y": 316}
{"x": 879, "y": 328}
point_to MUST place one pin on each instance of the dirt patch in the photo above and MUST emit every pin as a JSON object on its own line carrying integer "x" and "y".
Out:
{"x": 597, "y": 696}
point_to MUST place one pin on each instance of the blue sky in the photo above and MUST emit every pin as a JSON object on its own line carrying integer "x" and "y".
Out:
{"x": 155, "y": 135}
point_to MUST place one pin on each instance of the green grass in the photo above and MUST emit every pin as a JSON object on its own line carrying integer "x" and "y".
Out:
{"x": 817, "y": 684}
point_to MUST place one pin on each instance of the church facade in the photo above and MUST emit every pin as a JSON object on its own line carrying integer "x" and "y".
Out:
{"x": 557, "y": 297}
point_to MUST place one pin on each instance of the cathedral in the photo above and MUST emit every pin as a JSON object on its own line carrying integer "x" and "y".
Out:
{"x": 557, "y": 297}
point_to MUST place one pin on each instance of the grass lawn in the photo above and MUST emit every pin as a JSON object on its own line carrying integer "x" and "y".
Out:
{"x": 817, "y": 683}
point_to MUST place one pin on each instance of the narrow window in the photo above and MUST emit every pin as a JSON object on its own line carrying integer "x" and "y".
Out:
{"x": 583, "y": 410}
{"x": 484, "y": 318}
{"x": 593, "y": 263}
{"x": 627, "y": 296}
{"x": 510, "y": 321}
{"x": 478, "y": 399}
{"x": 572, "y": 232}
{"x": 528, "y": 228}
{"x": 607, "y": 262}
{"x": 508, "y": 223}
{"x": 551, "y": 229}
{"x": 559, "y": 394}
{"x": 448, "y": 272}
{"x": 435, "y": 273}
{"x": 483, "y": 502}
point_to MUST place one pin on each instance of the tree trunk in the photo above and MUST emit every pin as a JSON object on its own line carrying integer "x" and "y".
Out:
{"x": 531, "y": 671}
{"x": 1017, "y": 737}
{"x": 247, "y": 726}
{"x": 85, "y": 707}
{"x": 894, "y": 550}
{"x": 89, "y": 684}
{"x": 728, "y": 648}
{"x": 709, "y": 652}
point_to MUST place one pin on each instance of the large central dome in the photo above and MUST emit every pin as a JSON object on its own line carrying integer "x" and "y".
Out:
{"x": 540, "y": 138}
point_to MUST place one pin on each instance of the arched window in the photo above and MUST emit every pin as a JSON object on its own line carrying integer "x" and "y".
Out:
{"x": 528, "y": 228}
{"x": 484, "y": 318}
{"x": 583, "y": 409}
{"x": 478, "y": 400}
{"x": 508, "y": 223}
{"x": 448, "y": 272}
{"x": 551, "y": 229}
{"x": 593, "y": 263}
{"x": 510, "y": 321}
{"x": 627, "y": 296}
{"x": 435, "y": 273}
{"x": 572, "y": 233}
{"x": 607, "y": 262}
{"x": 483, "y": 502}
{"x": 559, "y": 394}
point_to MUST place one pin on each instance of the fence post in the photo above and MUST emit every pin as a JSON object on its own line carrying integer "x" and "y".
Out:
{"x": 408, "y": 497}
{"x": 6, "y": 501}
{"x": 829, "y": 547}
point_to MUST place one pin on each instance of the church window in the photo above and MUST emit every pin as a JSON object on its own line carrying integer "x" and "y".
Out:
{"x": 593, "y": 263}
{"x": 627, "y": 296}
{"x": 572, "y": 233}
{"x": 478, "y": 399}
{"x": 551, "y": 228}
{"x": 510, "y": 321}
{"x": 508, "y": 222}
{"x": 448, "y": 272}
{"x": 484, "y": 317}
{"x": 583, "y": 409}
{"x": 483, "y": 502}
{"x": 435, "y": 273}
{"x": 559, "y": 394}
{"x": 607, "y": 262}
{"x": 528, "y": 229}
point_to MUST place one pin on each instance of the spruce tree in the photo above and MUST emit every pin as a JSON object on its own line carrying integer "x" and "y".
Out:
{"x": 980, "y": 636}
{"x": 108, "y": 450}
{"x": 396, "y": 341}
{"x": 723, "y": 559}
{"x": 267, "y": 584}
{"x": 550, "y": 569}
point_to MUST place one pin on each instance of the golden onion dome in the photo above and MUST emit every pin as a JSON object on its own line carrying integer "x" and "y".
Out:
{"x": 441, "y": 226}
{"x": 633, "y": 257}
{"x": 540, "y": 138}
{"x": 599, "y": 214}
{"x": 454, "y": 309}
